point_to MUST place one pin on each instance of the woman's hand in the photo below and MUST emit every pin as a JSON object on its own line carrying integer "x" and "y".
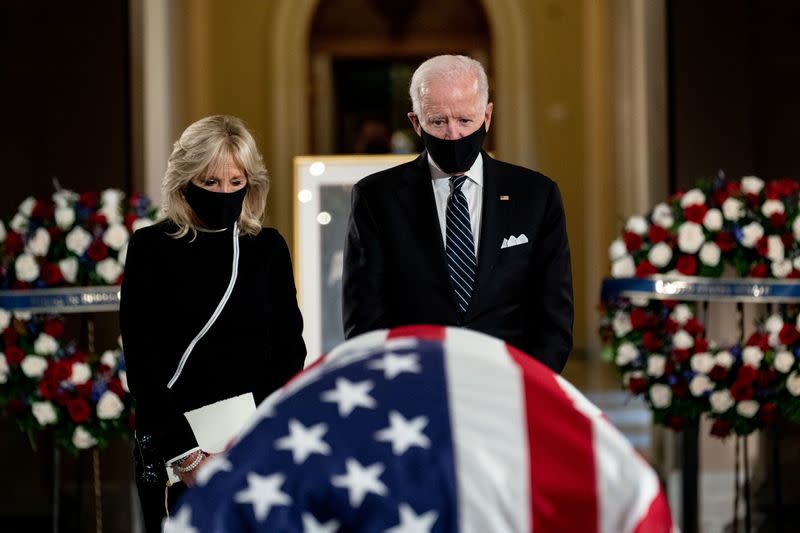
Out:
{"x": 189, "y": 477}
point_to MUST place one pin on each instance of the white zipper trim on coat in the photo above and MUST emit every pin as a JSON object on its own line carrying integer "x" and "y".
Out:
{"x": 217, "y": 311}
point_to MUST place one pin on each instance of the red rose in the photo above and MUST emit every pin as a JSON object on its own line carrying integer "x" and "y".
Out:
{"x": 14, "y": 244}
{"x": 768, "y": 413}
{"x": 61, "y": 370}
{"x": 20, "y": 285}
{"x": 129, "y": 220}
{"x": 48, "y": 388}
{"x": 758, "y": 271}
{"x": 644, "y": 269}
{"x": 681, "y": 356}
{"x": 84, "y": 390}
{"x": 788, "y": 240}
{"x": 695, "y": 213}
{"x": 55, "y": 232}
{"x": 762, "y": 246}
{"x": 687, "y": 265}
{"x": 720, "y": 428}
{"x": 89, "y": 199}
{"x": 51, "y": 274}
{"x": 671, "y": 327}
{"x": 657, "y": 234}
{"x": 97, "y": 251}
{"x": 741, "y": 391}
{"x": 10, "y": 336}
{"x": 676, "y": 423}
{"x": 747, "y": 374}
{"x": 759, "y": 339}
{"x": 725, "y": 241}
{"x": 62, "y": 398}
{"x": 651, "y": 342}
{"x": 54, "y": 328}
{"x": 115, "y": 386}
{"x": 788, "y": 186}
{"x": 98, "y": 219}
{"x": 794, "y": 274}
{"x": 42, "y": 211}
{"x": 777, "y": 220}
{"x": 693, "y": 327}
{"x": 78, "y": 410}
{"x": 753, "y": 200}
{"x": 637, "y": 385}
{"x": 788, "y": 334}
{"x": 14, "y": 355}
{"x": 718, "y": 197}
{"x": 718, "y": 373}
{"x": 700, "y": 345}
{"x": 638, "y": 318}
{"x": 633, "y": 241}
{"x": 765, "y": 377}
{"x": 79, "y": 357}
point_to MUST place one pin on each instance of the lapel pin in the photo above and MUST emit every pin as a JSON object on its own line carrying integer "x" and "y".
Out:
{"x": 504, "y": 197}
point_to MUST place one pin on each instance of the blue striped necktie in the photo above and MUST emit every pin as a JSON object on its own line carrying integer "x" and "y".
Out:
{"x": 460, "y": 248}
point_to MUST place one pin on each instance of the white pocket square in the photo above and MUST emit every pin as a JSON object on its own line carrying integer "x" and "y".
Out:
{"x": 508, "y": 242}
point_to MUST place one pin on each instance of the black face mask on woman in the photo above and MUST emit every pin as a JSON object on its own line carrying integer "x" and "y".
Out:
{"x": 455, "y": 155}
{"x": 216, "y": 210}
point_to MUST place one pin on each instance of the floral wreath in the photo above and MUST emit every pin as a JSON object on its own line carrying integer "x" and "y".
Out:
{"x": 660, "y": 348}
{"x": 46, "y": 382}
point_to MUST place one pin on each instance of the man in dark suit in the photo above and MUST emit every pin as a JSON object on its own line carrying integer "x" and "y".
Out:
{"x": 456, "y": 237}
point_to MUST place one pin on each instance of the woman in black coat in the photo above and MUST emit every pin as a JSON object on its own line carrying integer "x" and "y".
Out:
{"x": 208, "y": 307}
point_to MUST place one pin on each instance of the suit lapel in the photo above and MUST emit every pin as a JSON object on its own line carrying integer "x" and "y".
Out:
{"x": 495, "y": 217}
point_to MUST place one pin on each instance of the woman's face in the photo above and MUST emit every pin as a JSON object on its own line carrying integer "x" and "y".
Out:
{"x": 225, "y": 176}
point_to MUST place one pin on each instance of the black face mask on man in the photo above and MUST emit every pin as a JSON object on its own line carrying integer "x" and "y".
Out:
{"x": 455, "y": 155}
{"x": 216, "y": 210}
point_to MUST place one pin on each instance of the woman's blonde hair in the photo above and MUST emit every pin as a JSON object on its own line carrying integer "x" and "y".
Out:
{"x": 201, "y": 148}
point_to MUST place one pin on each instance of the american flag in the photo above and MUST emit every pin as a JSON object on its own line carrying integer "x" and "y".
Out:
{"x": 426, "y": 429}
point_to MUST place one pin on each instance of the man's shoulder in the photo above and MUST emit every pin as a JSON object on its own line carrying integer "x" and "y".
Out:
{"x": 520, "y": 175}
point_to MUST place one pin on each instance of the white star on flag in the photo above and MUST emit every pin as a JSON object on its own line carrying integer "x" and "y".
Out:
{"x": 359, "y": 481}
{"x": 393, "y": 364}
{"x": 349, "y": 395}
{"x": 304, "y": 441}
{"x": 263, "y": 492}
{"x": 310, "y": 525}
{"x": 215, "y": 464}
{"x": 180, "y": 522}
{"x": 403, "y": 433}
{"x": 411, "y": 522}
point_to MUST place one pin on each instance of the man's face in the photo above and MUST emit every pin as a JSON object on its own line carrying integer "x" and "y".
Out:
{"x": 451, "y": 109}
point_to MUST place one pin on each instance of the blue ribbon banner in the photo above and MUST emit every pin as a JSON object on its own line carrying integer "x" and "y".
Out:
{"x": 63, "y": 300}
{"x": 702, "y": 289}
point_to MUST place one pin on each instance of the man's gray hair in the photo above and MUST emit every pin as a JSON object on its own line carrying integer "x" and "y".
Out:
{"x": 447, "y": 67}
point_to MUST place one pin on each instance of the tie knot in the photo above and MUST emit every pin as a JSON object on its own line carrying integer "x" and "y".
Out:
{"x": 457, "y": 182}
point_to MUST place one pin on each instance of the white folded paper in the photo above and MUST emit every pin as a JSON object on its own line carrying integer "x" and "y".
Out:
{"x": 215, "y": 425}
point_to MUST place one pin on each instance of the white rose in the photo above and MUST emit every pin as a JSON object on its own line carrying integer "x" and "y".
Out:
{"x": 65, "y": 217}
{"x": 112, "y": 197}
{"x": 700, "y": 384}
{"x": 660, "y": 395}
{"x": 78, "y": 240}
{"x": 26, "y": 267}
{"x": 793, "y": 383}
{"x": 116, "y": 236}
{"x": 724, "y": 359}
{"x": 44, "y": 413}
{"x": 109, "y": 406}
{"x": 626, "y": 353}
{"x": 752, "y": 185}
{"x": 122, "y": 255}
{"x": 109, "y": 269}
{"x": 621, "y": 324}
{"x": 640, "y": 301}
{"x": 623, "y": 267}
{"x": 64, "y": 198}
{"x": 45, "y": 344}
{"x": 23, "y": 315}
{"x": 140, "y": 223}
{"x": 710, "y": 254}
{"x": 4, "y": 369}
{"x": 702, "y": 362}
{"x": 713, "y": 220}
{"x": 82, "y": 439}
{"x": 33, "y": 366}
{"x": 628, "y": 376}
{"x": 112, "y": 214}
{"x": 733, "y": 209}
{"x": 796, "y": 262}
{"x": 774, "y": 323}
{"x": 617, "y": 250}
{"x": 784, "y": 361}
{"x": 721, "y": 400}
{"x": 19, "y": 223}
{"x": 770, "y": 207}
{"x": 781, "y": 269}
{"x": 752, "y": 355}
{"x": 660, "y": 255}
{"x": 123, "y": 377}
{"x": 27, "y": 205}
{"x": 5, "y": 319}
{"x": 682, "y": 340}
{"x": 751, "y": 233}
{"x": 109, "y": 358}
{"x": 747, "y": 408}
{"x": 690, "y": 237}
{"x": 775, "y": 251}
{"x": 693, "y": 197}
{"x": 637, "y": 224}
{"x": 681, "y": 314}
{"x": 796, "y": 228}
{"x": 69, "y": 269}
{"x": 2, "y": 232}
{"x": 655, "y": 365}
{"x": 81, "y": 373}
{"x": 662, "y": 216}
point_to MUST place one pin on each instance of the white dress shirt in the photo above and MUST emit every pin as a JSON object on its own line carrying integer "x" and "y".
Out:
{"x": 472, "y": 189}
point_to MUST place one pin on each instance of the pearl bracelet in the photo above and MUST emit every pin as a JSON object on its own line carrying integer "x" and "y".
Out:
{"x": 185, "y": 469}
